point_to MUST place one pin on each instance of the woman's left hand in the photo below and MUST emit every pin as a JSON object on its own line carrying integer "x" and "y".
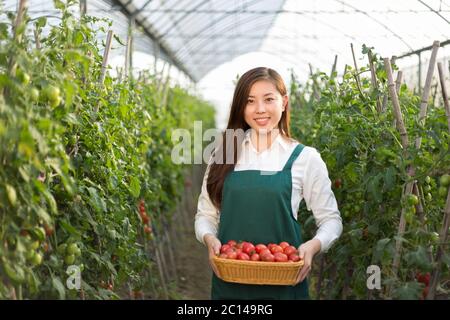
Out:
{"x": 307, "y": 251}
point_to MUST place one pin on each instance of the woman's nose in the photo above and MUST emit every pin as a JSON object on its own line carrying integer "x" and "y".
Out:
{"x": 260, "y": 107}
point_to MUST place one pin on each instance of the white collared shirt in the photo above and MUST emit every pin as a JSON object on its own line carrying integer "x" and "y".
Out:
{"x": 310, "y": 182}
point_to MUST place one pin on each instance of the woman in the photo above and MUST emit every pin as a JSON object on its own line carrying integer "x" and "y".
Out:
{"x": 252, "y": 187}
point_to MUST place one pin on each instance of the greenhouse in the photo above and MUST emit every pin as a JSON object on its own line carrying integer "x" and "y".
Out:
{"x": 114, "y": 114}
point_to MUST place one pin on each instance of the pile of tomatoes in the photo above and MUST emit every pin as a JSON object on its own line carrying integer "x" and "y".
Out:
{"x": 282, "y": 252}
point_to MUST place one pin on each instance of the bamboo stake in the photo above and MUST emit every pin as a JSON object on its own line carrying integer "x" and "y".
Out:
{"x": 396, "y": 104}
{"x": 316, "y": 93}
{"x": 83, "y": 7}
{"x": 172, "y": 256}
{"x": 333, "y": 68}
{"x": 398, "y": 82}
{"x": 410, "y": 184}
{"x": 166, "y": 87}
{"x": 426, "y": 90}
{"x": 358, "y": 80}
{"x": 12, "y": 65}
{"x": 446, "y": 223}
{"x": 105, "y": 56}
{"x": 373, "y": 78}
{"x": 36, "y": 39}
{"x": 160, "y": 269}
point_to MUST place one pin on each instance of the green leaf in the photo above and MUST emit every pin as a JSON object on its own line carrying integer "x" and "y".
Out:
{"x": 135, "y": 187}
{"x": 57, "y": 284}
{"x": 43, "y": 215}
{"x": 69, "y": 228}
{"x": 41, "y": 22}
{"x": 51, "y": 201}
{"x": 408, "y": 291}
{"x": 419, "y": 258}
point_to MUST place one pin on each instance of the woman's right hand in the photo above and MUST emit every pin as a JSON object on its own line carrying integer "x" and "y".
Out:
{"x": 213, "y": 244}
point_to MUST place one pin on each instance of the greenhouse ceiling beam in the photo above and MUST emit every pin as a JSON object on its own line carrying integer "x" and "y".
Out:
{"x": 249, "y": 11}
{"x": 377, "y": 21}
{"x": 419, "y": 51}
{"x": 436, "y": 12}
{"x": 213, "y": 24}
{"x": 176, "y": 22}
{"x": 124, "y": 5}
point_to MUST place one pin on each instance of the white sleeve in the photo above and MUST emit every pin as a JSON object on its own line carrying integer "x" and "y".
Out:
{"x": 320, "y": 199}
{"x": 207, "y": 216}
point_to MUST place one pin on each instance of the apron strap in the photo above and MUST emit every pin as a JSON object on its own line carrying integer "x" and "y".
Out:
{"x": 298, "y": 149}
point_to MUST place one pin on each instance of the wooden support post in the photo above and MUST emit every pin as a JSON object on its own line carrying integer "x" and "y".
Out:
{"x": 446, "y": 220}
{"x": 105, "y": 56}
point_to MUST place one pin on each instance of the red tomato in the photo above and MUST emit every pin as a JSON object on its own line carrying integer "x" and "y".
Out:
{"x": 224, "y": 248}
{"x": 276, "y": 248}
{"x": 255, "y": 257}
{"x": 280, "y": 257}
{"x": 264, "y": 251}
{"x": 337, "y": 183}
{"x": 147, "y": 229}
{"x": 284, "y": 244}
{"x": 229, "y": 250}
{"x": 223, "y": 256}
{"x": 231, "y": 255}
{"x": 231, "y": 243}
{"x": 268, "y": 257}
{"x": 248, "y": 248}
{"x": 243, "y": 256}
{"x": 239, "y": 245}
{"x": 270, "y": 245}
{"x": 260, "y": 247}
{"x": 294, "y": 257}
{"x": 289, "y": 250}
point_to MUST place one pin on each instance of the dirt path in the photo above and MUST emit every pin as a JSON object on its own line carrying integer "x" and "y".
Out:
{"x": 194, "y": 272}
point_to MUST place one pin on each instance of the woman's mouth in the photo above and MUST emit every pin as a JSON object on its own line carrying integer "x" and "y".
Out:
{"x": 262, "y": 121}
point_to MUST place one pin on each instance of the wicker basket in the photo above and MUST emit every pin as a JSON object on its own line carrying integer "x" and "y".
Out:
{"x": 258, "y": 272}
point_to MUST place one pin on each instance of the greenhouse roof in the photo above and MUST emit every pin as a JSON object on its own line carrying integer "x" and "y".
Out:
{"x": 202, "y": 34}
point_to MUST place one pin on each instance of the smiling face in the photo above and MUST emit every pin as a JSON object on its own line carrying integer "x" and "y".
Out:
{"x": 265, "y": 106}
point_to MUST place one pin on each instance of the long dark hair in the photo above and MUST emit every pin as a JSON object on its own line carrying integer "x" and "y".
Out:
{"x": 219, "y": 169}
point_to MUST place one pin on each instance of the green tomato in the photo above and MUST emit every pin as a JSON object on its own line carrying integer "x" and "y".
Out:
{"x": 36, "y": 260}
{"x": 442, "y": 192}
{"x": 427, "y": 188}
{"x": 77, "y": 252}
{"x": 69, "y": 259}
{"x": 39, "y": 232}
{"x": 412, "y": 200}
{"x": 23, "y": 77}
{"x": 34, "y": 245}
{"x": 52, "y": 93}
{"x": 15, "y": 273}
{"x": 29, "y": 254}
{"x": 34, "y": 94}
{"x": 72, "y": 248}
{"x": 62, "y": 249}
{"x": 429, "y": 196}
{"x": 56, "y": 102}
{"x": 12, "y": 195}
{"x": 409, "y": 216}
{"x": 445, "y": 180}
{"x": 427, "y": 179}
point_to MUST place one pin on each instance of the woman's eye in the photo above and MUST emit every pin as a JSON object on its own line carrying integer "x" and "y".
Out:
{"x": 250, "y": 101}
{"x": 270, "y": 99}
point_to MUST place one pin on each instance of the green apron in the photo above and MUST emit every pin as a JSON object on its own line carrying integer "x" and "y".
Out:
{"x": 256, "y": 207}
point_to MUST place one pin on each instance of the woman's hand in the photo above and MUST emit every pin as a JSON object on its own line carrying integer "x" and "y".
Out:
{"x": 307, "y": 251}
{"x": 213, "y": 244}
